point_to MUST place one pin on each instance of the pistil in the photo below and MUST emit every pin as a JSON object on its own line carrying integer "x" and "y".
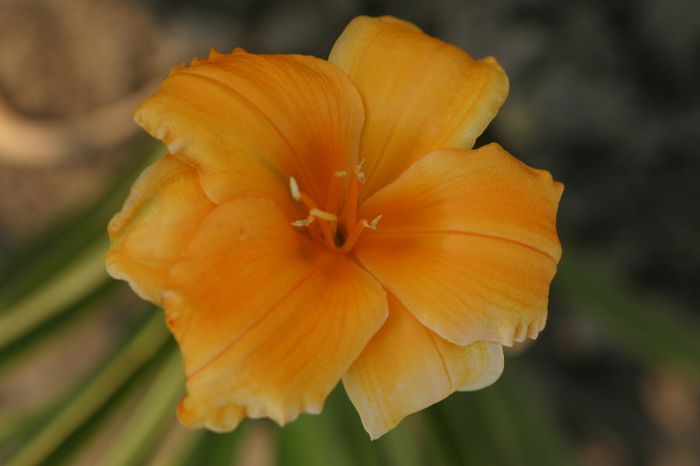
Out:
{"x": 356, "y": 180}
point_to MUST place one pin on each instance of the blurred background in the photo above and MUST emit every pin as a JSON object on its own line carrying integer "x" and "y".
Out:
{"x": 603, "y": 94}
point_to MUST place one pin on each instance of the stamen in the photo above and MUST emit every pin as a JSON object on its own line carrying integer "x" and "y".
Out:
{"x": 315, "y": 231}
{"x": 328, "y": 227}
{"x": 323, "y": 214}
{"x": 304, "y": 222}
{"x": 322, "y": 225}
{"x": 359, "y": 171}
{"x": 335, "y": 190}
{"x": 350, "y": 211}
{"x": 294, "y": 188}
{"x": 307, "y": 201}
{"x": 373, "y": 224}
{"x": 175, "y": 146}
{"x": 357, "y": 230}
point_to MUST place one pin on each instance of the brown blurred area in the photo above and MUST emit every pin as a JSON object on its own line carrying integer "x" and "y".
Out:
{"x": 603, "y": 94}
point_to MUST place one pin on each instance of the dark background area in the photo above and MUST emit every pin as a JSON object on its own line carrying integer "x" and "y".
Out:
{"x": 604, "y": 94}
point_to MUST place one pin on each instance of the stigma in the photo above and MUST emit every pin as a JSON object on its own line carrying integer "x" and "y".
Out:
{"x": 335, "y": 222}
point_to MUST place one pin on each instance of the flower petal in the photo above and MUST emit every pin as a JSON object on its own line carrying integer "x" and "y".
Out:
{"x": 248, "y": 122}
{"x": 406, "y": 368}
{"x": 267, "y": 319}
{"x": 467, "y": 243}
{"x": 160, "y": 216}
{"x": 420, "y": 93}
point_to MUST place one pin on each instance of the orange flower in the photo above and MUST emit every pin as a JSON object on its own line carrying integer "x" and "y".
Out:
{"x": 318, "y": 220}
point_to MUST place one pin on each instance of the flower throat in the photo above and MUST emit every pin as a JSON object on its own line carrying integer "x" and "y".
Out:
{"x": 341, "y": 230}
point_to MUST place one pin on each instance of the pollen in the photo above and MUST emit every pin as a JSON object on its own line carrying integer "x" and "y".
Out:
{"x": 294, "y": 188}
{"x": 336, "y": 224}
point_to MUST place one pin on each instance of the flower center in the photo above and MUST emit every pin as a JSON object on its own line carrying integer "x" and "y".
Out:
{"x": 335, "y": 225}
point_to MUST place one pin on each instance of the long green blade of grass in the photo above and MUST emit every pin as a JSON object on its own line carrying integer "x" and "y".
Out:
{"x": 521, "y": 422}
{"x": 142, "y": 347}
{"x": 347, "y": 422}
{"x": 147, "y": 419}
{"x": 88, "y": 440}
{"x": 50, "y": 251}
{"x": 212, "y": 449}
{"x": 177, "y": 447}
{"x": 402, "y": 445}
{"x": 316, "y": 440}
{"x": 84, "y": 274}
{"x": 464, "y": 431}
{"x": 24, "y": 347}
{"x": 644, "y": 331}
{"x": 507, "y": 424}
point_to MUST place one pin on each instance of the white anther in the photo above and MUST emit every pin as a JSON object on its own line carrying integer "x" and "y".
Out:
{"x": 373, "y": 224}
{"x": 294, "y": 188}
{"x": 340, "y": 173}
{"x": 175, "y": 146}
{"x": 359, "y": 173}
{"x": 322, "y": 214}
{"x": 303, "y": 223}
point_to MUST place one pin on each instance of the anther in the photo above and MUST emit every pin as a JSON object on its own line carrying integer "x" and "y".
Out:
{"x": 175, "y": 146}
{"x": 304, "y": 222}
{"x": 357, "y": 230}
{"x": 359, "y": 171}
{"x": 294, "y": 188}
{"x": 323, "y": 224}
{"x": 373, "y": 224}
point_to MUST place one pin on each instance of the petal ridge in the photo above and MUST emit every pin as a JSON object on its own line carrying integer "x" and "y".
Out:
{"x": 229, "y": 345}
{"x": 406, "y": 367}
{"x": 536, "y": 249}
{"x": 419, "y": 93}
{"x": 248, "y": 122}
{"x": 256, "y": 108}
{"x": 276, "y": 353}
{"x": 162, "y": 212}
{"x": 467, "y": 243}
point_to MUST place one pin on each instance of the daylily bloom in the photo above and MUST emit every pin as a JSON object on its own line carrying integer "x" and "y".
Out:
{"x": 324, "y": 220}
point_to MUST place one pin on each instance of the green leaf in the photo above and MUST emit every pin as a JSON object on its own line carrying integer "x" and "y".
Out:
{"x": 402, "y": 445}
{"x": 96, "y": 391}
{"x": 534, "y": 431}
{"x": 83, "y": 275}
{"x": 464, "y": 429}
{"x": 644, "y": 331}
{"x": 50, "y": 251}
{"x": 312, "y": 440}
{"x": 506, "y": 424}
{"x": 347, "y": 422}
{"x": 212, "y": 449}
{"x": 147, "y": 420}
{"x": 23, "y": 347}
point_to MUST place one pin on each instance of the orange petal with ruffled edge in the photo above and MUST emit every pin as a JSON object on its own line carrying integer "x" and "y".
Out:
{"x": 419, "y": 92}
{"x": 467, "y": 243}
{"x": 248, "y": 122}
{"x": 160, "y": 216}
{"x": 267, "y": 319}
{"x": 406, "y": 368}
